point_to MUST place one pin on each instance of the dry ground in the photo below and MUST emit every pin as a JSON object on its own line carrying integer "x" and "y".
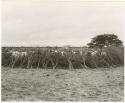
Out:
{"x": 63, "y": 85}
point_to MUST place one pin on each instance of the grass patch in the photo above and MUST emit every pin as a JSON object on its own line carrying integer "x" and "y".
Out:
{"x": 104, "y": 84}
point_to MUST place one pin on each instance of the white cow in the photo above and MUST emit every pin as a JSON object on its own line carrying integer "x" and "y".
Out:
{"x": 94, "y": 52}
{"x": 23, "y": 53}
{"x": 15, "y": 56}
{"x": 103, "y": 53}
{"x": 17, "y": 53}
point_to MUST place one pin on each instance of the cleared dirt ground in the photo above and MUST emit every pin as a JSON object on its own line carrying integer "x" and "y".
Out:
{"x": 105, "y": 84}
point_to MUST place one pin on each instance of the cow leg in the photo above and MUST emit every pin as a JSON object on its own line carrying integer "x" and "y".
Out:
{"x": 11, "y": 62}
{"x": 84, "y": 64}
{"x": 28, "y": 64}
{"x": 38, "y": 63}
{"x": 70, "y": 64}
{"x": 14, "y": 62}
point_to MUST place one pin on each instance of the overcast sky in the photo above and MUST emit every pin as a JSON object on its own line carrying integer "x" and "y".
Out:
{"x": 37, "y": 23}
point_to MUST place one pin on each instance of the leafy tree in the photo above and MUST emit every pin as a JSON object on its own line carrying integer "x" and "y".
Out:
{"x": 105, "y": 40}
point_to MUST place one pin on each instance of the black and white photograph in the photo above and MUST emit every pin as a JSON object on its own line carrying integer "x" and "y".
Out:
{"x": 62, "y": 50}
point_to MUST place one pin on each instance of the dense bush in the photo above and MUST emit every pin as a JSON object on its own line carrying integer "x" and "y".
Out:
{"x": 114, "y": 57}
{"x": 6, "y": 58}
{"x": 47, "y": 58}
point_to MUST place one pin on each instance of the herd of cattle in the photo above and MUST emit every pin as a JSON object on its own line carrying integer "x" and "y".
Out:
{"x": 52, "y": 58}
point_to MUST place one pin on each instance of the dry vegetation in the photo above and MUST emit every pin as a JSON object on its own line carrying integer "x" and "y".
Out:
{"x": 105, "y": 84}
{"x": 66, "y": 58}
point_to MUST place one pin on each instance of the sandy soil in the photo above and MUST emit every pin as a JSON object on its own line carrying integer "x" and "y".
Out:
{"x": 105, "y": 84}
